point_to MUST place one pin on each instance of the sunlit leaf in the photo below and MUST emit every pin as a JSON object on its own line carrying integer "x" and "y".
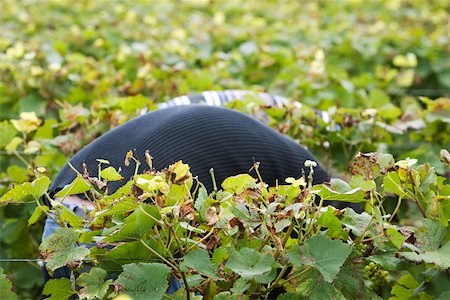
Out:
{"x": 144, "y": 281}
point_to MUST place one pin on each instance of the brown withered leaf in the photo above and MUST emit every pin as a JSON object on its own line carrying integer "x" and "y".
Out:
{"x": 238, "y": 223}
{"x": 186, "y": 208}
{"x": 98, "y": 183}
{"x": 136, "y": 191}
{"x": 253, "y": 194}
{"x": 211, "y": 215}
{"x": 212, "y": 242}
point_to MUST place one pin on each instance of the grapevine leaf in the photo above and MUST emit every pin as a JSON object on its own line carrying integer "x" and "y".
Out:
{"x": 440, "y": 257}
{"x": 26, "y": 192}
{"x": 249, "y": 263}
{"x": 6, "y": 287}
{"x": 58, "y": 249}
{"x": 395, "y": 237}
{"x": 350, "y": 282}
{"x": 136, "y": 224}
{"x": 392, "y": 184}
{"x": 328, "y": 219}
{"x": 181, "y": 172}
{"x": 388, "y": 261}
{"x": 58, "y": 289}
{"x": 239, "y": 183}
{"x": 78, "y": 186}
{"x": 8, "y": 132}
{"x": 37, "y": 214}
{"x": 240, "y": 286}
{"x": 126, "y": 253}
{"x": 312, "y": 285}
{"x": 229, "y": 296}
{"x": 144, "y": 281}
{"x": 322, "y": 253}
{"x": 356, "y": 222}
{"x": 200, "y": 261}
{"x": 120, "y": 207}
{"x": 93, "y": 284}
{"x": 355, "y": 196}
{"x": 68, "y": 215}
{"x": 432, "y": 236}
{"x": 13, "y": 144}
{"x": 110, "y": 174}
{"x": 404, "y": 288}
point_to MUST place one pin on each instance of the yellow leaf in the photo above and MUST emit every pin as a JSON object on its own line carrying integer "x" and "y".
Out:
{"x": 28, "y": 122}
{"x": 13, "y": 144}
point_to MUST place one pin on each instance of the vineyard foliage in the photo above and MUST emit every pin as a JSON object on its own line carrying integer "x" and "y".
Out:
{"x": 72, "y": 71}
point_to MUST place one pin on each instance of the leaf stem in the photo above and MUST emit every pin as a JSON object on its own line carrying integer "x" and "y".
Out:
{"x": 160, "y": 256}
{"x": 151, "y": 217}
{"x": 399, "y": 202}
{"x": 211, "y": 171}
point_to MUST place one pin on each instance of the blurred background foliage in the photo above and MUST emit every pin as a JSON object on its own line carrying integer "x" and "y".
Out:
{"x": 87, "y": 66}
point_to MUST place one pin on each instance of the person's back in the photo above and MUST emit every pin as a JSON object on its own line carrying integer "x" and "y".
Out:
{"x": 202, "y": 136}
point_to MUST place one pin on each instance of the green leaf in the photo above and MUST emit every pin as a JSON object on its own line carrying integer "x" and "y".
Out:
{"x": 93, "y": 285}
{"x": 313, "y": 286}
{"x": 239, "y": 183}
{"x": 249, "y": 263}
{"x": 440, "y": 257}
{"x": 130, "y": 252}
{"x": 59, "y": 249}
{"x": 432, "y": 235}
{"x": 350, "y": 282}
{"x": 121, "y": 207}
{"x": 404, "y": 288}
{"x": 339, "y": 185}
{"x": 38, "y": 213}
{"x": 77, "y": 186}
{"x": 368, "y": 185}
{"x": 58, "y": 289}
{"x": 358, "y": 223}
{"x": 136, "y": 225}
{"x": 355, "y": 195}
{"x": 26, "y": 192}
{"x": 392, "y": 184}
{"x": 328, "y": 219}
{"x": 110, "y": 174}
{"x": 322, "y": 253}
{"x": 144, "y": 281}
{"x": 229, "y": 296}
{"x": 68, "y": 215}
{"x": 6, "y": 287}
{"x": 181, "y": 172}
{"x": 39, "y": 187}
{"x": 395, "y": 237}
{"x": 8, "y": 132}
{"x": 378, "y": 98}
{"x": 388, "y": 261}
{"x": 240, "y": 286}
{"x": 200, "y": 261}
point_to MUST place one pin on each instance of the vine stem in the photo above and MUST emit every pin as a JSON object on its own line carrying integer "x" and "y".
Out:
{"x": 151, "y": 217}
{"x": 288, "y": 233}
{"x": 202, "y": 239}
{"x": 159, "y": 256}
{"x": 24, "y": 161}
{"x": 186, "y": 286}
{"x": 299, "y": 274}
{"x": 275, "y": 283}
{"x": 211, "y": 171}
{"x": 399, "y": 202}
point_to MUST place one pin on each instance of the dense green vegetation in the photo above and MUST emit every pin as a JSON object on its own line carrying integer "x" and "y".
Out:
{"x": 71, "y": 71}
